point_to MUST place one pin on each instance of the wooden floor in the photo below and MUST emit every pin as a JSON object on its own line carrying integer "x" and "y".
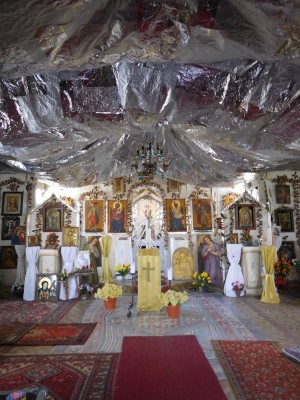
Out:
{"x": 208, "y": 316}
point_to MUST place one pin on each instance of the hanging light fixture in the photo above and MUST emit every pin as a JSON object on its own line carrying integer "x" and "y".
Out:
{"x": 149, "y": 161}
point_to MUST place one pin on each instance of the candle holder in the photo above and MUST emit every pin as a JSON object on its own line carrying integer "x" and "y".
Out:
{"x": 132, "y": 294}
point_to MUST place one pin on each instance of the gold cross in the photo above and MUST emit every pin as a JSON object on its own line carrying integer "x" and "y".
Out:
{"x": 148, "y": 269}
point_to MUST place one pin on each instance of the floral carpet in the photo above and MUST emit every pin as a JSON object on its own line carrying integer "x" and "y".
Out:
{"x": 10, "y": 333}
{"x": 33, "y": 311}
{"x": 65, "y": 376}
{"x": 257, "y": 370}
{"x": 58, "y": 334}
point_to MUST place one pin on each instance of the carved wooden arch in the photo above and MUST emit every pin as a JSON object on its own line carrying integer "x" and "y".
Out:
{"x": 147, "y": 184}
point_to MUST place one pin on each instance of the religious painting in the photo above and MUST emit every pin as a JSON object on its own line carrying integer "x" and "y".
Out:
{"x": 8, "y": 226}
{"x": 229, "y": 198}
{"x": 118, "y": 186}
{"x": 176, "y": 215}
{"x": 8, "y": 257}
{"x": 94, "y": 215}
{"x": 234, "y": 238}
{"x": 47, "y": 287}
{"x": 202, "y": 214}
{"x": 283, "y": 194}
{"x": 19, "y": 235}
{"x": 245, "y": 216}
{"x": 12, "y": 203}
{"x": 33, "y": 240}
{"x": 53, "y": 218}
{"x": 70, "y": 236}
{"x": 276, "y": 230}
{"x": 285, "y": 218}
{"x": 287, "y": 251}
{"x": 117, "y": 216}
{"x": 173, "y": 186}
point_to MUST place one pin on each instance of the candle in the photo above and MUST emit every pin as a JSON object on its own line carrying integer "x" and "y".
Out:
{"x": 132, "y": 268}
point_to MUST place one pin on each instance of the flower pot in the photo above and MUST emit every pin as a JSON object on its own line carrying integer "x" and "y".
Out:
{"x": 173, "y": 311}
{"x": 238, "y": 293}
{"x": 84, "y": 296}
{"x": 110, "y": 304}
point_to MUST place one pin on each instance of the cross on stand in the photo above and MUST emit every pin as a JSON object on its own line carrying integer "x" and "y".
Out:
{"x": 148, "y": 269}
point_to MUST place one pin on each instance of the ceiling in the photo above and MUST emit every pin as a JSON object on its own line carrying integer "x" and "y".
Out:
{"x": 85, "y": 82}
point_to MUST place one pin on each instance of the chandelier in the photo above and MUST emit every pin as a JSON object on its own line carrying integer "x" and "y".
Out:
{"x": 149, "y": 161}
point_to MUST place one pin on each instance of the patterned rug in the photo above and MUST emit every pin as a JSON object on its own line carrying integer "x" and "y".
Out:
{"x": 257, "y": 370}
{"x": 10, "y": 333}
{"x": 54, "y": 335}
{"x": 34, "y": 311}
{"x": 65, "y": 376}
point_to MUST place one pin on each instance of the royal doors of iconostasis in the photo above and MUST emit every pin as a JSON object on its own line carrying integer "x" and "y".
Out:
{"x": 147, "y": 218}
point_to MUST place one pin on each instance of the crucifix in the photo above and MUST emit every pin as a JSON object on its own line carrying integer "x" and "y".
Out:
{"x": 148, "y": 269}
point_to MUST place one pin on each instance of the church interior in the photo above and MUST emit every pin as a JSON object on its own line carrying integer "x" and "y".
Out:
{"x": 151, "y": 148}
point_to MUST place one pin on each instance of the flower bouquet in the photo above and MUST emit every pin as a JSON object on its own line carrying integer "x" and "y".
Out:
{"x": 84, "y": 289}
{"x": 237, "y": 287}
{"x": 172, "y": 300}
{"x": 18, "y": 290}
{"x": 171, "y": 297}
{"x": 109, "y": 293}
{"x": 84, "y": 269}
{"x": 282, "y": 269}
{"x": 202, "y": 279}
{"x": 63, "y": 275}
{"x": 122, "y": 269}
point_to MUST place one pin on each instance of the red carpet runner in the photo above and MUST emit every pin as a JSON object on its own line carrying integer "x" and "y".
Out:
{"x": 162, "y": 368}
{"x": 257, "y": 370}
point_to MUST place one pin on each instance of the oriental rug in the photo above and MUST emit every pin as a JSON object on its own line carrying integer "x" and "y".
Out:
{"x": 65, "y": 376}
{"x": 34, "y": 311}
{"x": 10, "y": 333}
{"x": 172, "y": 367}
{"x": 54, "y": 335}
{"x": 257, "y": 370}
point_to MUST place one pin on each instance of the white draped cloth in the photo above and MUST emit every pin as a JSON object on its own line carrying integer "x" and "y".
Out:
{"x": 32, "y": 256}
{"x": 68, "y": 256}
{"x": 20, "y": 250}
{"x": 235, "y": 273}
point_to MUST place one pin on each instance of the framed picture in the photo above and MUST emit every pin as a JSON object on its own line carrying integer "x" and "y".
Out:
{"x": 8, "y": 257}
{"x": 70, "y": 236}
{"x": 94, "y": 215}
{"x": 176, "y": 215}
{"x": 173, "y": 186}
{"x": 19, "y": 235}
{"x": 233, "y": 238}
{"x": 202, "y": 214}
{"x": 82, "y": 259}
{"x": 33, "y": 240}
{"x": 245, "y": 216}
{"x": 118, "y": 186}
{"x": 12, "y": 203}
{"x": 283, "y": 194}
{"x": 276, "y": 230}
{"x": 46, "y": 287}
{"x": 285, "y": 218}
{"x": 8, "y": 226}
{"x": 117, "y": 216}
{"x": 287, "y": 251}
{"x": 53, "y": 218}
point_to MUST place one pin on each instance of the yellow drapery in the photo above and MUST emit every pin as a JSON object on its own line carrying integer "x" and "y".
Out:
{"x": 105, "y": 243}
{"x": 269, "y": 294}
{"x": 149, "y": 285}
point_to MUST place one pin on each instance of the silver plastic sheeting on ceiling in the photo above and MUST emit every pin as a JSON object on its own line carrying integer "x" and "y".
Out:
{"x": 85, "y": 82}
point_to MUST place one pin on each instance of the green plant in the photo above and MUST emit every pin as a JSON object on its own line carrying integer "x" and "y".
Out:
{"x": 84, "y": 288}
{"x": 122, "y": 269}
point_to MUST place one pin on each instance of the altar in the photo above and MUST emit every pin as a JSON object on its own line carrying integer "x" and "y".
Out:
{"x": 149, "y": 280}
{"x": 251, "y": 263}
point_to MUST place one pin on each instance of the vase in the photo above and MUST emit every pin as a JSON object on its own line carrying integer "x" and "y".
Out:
{"x": 238, "y": 293}
{"x": 173, "y": 311}
{"x": 123, "y": 280}
{"x": 110, "y": 304}
{"x": 84, "y": 296}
